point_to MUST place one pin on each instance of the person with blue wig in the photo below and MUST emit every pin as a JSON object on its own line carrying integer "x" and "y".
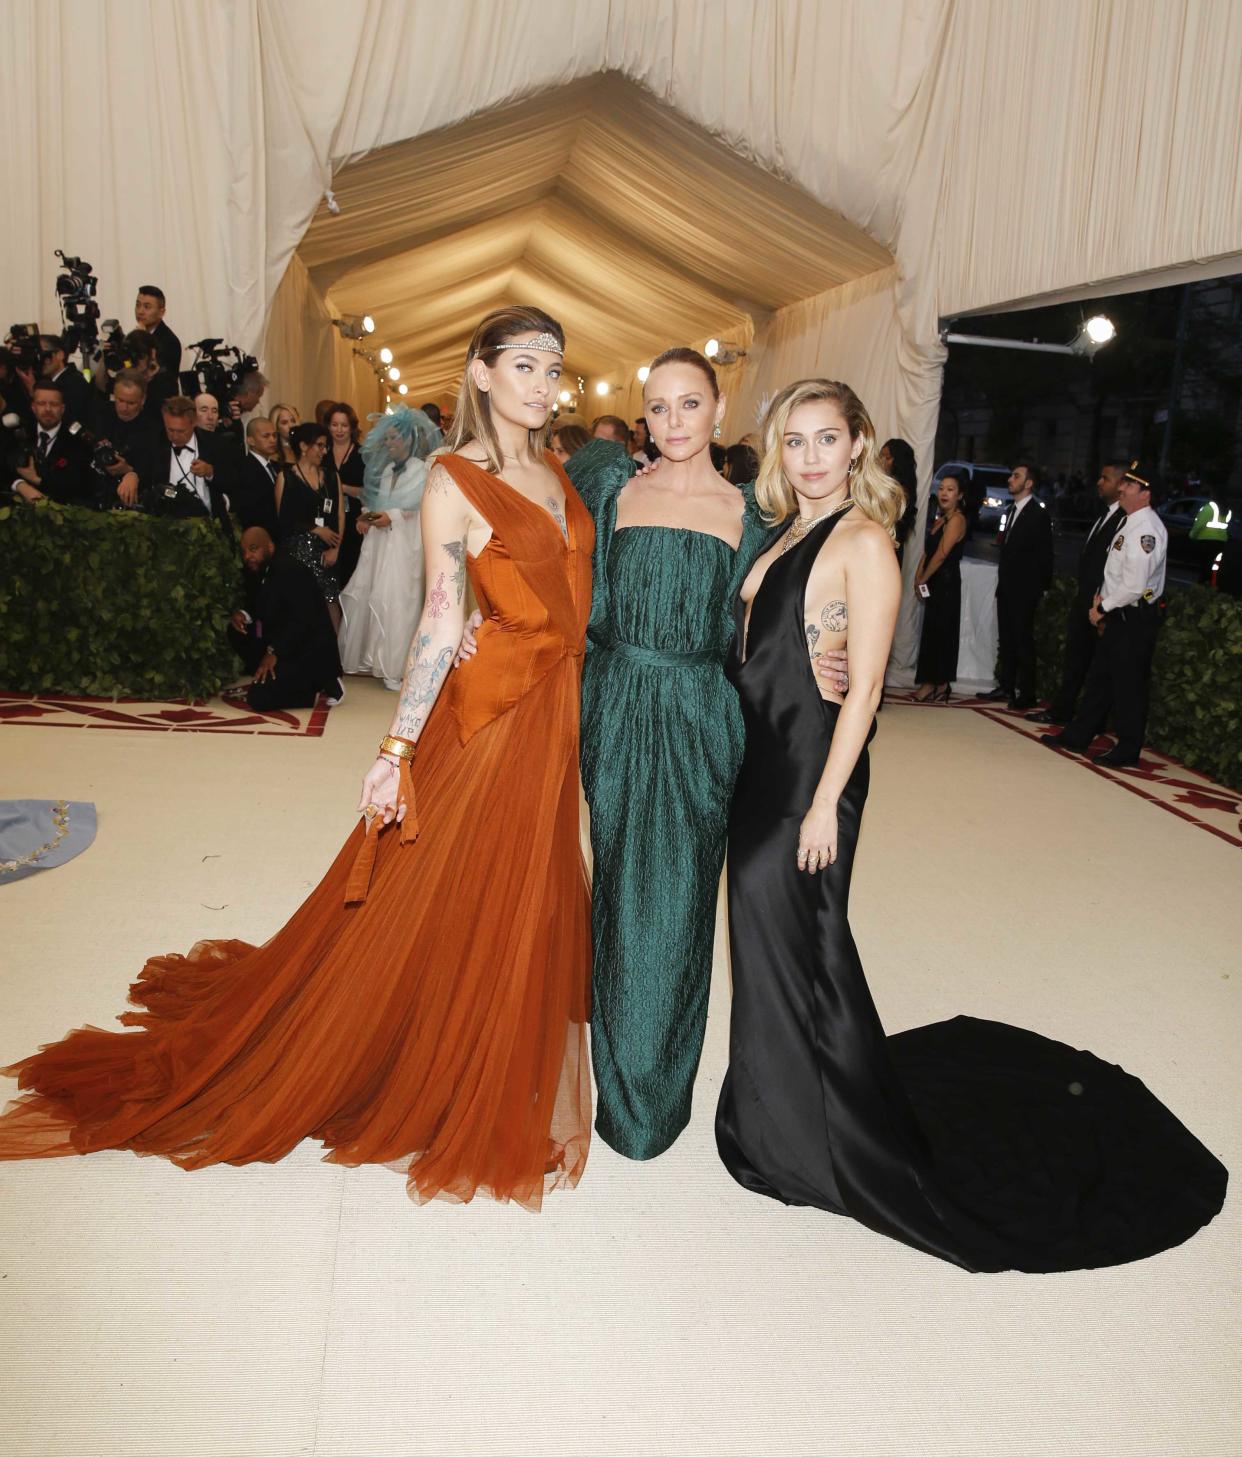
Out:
{"x": 380, "y": 606}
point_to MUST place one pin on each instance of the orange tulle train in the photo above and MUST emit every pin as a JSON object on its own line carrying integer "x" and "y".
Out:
{"x": 437, "y": 1027}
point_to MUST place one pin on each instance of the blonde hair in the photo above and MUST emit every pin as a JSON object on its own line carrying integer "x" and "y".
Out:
{"x": 876, "y": 494}
{"x": 472, "y": 418}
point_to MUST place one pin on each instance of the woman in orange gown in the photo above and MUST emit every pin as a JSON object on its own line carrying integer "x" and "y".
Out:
{"x": 426, "y": 1011}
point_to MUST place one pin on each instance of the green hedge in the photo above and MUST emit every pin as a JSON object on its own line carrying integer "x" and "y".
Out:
{"x": 114, "y": 603}
{"x": 1196, "y": 697}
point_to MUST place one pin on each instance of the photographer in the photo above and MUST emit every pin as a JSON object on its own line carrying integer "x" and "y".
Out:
{"x": 59, "y": 467}
{"x": 149, "y": 316}
{"x": 120, "y": 423}
{"x": 73, "y": 383}
{"x": 249, "y": 393}
{"x": 194, "y": 469}
{"x": 140, "y": 353}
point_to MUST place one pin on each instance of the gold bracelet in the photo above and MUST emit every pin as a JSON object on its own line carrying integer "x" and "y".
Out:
{"x": 402, "y": 748}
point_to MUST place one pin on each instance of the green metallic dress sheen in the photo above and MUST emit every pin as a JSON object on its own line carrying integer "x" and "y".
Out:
{"x": 661, "y": 746}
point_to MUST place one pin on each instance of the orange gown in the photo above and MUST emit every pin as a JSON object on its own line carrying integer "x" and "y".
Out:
{"x": 439, "y": 1026}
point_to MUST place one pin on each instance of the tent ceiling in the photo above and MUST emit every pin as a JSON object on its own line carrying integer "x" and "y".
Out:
{"x": 625, "y": 221}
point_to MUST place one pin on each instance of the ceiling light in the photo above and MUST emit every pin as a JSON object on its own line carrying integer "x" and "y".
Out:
{"x": 368, "y": 324}
{"x": 602, "y": 387}
{"x": 403, "y": 389}
{"x": 712, "y": 348}
{"x": 394, "y": 373}
{"x": 564, "y": 397}
{"x": 643, "y": 371}
{"x": 354, "y": 326}
{"x": 386, "y": 355}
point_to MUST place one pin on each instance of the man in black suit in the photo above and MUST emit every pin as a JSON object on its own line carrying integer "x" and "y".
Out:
{"x": 1023, "y": 577}
{"x": 74, "y": 386}
{"x": 1080, "y": 636}
{"x": 132, "y": 434}
{"x": 284, "y": 635}
{"x": 255, "y": 502}
{"x": 149, "y": 316}
{"x": 193, "y": 474}
{"x": 60, "y": 466}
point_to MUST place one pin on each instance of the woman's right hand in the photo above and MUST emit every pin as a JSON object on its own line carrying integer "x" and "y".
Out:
{"x": 327, "y": 535}
{"x": 383, "y": 521}
{"x": 363, "y": 526}
{"x": 379, "y": 788}
{"x": 469, "y": 644}
{"x": 646, "y": 470}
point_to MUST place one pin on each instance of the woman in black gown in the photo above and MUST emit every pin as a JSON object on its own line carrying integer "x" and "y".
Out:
{"x": 940, "y": 572}
{"x": 345, "y": 465}
{"x": 310, "y": 513}
{"x": 982, "y": 1144}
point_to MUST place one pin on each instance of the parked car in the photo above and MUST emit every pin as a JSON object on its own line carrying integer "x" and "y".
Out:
{"x": 988, "y": 492}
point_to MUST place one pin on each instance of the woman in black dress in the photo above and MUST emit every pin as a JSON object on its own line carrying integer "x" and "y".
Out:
{"x": 310, "y": 512}
{"x": 938, "y": 582}
{"x": 982, "y": 1144}
{"x": 344, "y": 462}
{"x": 897, "y": 461}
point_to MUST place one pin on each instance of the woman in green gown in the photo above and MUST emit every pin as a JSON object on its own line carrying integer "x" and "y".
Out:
{"x": 661, "y": 746}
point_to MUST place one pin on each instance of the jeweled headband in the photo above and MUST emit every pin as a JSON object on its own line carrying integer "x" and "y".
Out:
{"x": 549, "y": 343}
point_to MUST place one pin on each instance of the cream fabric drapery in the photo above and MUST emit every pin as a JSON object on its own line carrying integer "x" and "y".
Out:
{"x": 920, "y": 159}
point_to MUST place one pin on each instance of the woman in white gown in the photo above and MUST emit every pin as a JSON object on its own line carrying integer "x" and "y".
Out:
{"x": 380, "y": 606}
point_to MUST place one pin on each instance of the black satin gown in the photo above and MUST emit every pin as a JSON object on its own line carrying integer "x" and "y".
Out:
{"x": 983, "y": 1144}
{"x": 942, "y": 616}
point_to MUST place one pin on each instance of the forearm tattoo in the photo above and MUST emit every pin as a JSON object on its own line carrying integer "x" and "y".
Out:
{"x": 812, "y": 637}
{"x": 457, "y": 551}
{"x": 558, "y": 515}
{"x": 423, "y": 676}
{"x": 834, "y": 617}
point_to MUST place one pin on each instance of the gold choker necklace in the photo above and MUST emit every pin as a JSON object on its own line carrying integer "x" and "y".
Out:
{"x": 802, "y": 527}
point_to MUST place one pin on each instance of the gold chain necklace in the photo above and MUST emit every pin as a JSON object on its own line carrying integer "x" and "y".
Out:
{"x": 802, "y": 527}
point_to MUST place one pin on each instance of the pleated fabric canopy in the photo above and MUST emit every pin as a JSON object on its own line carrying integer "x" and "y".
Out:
{"x": 818, "y": 182}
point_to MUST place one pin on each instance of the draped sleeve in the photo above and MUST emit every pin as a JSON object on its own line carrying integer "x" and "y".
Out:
{"x": 599, "y": 472}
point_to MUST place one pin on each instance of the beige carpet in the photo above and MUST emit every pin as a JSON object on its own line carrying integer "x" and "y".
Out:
{"x": 302, "y": 1309}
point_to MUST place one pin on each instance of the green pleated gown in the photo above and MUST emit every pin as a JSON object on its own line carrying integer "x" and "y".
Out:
{"x": 661, "y": 746}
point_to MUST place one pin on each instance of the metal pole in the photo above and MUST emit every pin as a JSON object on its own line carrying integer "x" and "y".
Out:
{"x": 989, "y": 342}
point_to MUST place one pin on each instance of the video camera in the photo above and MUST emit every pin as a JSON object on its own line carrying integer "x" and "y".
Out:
{"x": 24, "y": 349}
{"x": 75, "y": 292}
{"x": 213, "y": 374}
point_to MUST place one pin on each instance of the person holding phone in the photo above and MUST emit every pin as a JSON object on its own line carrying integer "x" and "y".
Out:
{"x": 938, "y": 583}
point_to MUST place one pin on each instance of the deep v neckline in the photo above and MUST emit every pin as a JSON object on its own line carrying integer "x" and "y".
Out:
{"x": 566, "y": 537}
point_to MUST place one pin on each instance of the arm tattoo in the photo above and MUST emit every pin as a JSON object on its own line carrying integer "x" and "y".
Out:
{"x": 457, "y": 551}
{"x": 423, "y": 676}
{"x": 438, "y": 599}
{"x": 812, "y": 637}
{"x": 437, "y": 482}
{"x": 834, "y": 616}
{"x": 557, "y": 515}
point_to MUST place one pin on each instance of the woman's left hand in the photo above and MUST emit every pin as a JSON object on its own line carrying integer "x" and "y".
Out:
{"x": 329, "y": 557}
{"x": 817, "y": 838}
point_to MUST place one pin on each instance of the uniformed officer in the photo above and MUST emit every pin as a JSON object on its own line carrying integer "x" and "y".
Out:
{"x": 1127, "y": 615}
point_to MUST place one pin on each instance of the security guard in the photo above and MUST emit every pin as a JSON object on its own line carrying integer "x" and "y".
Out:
{"x": 1126, "y": 614}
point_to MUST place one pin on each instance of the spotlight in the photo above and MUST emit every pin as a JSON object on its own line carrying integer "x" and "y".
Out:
{"x": 403, "y": 389}
{"x": 712, "y": 348}
{"x": 602, "y": 387}
{"x": 394, "y": 373}
{"x": 643, "y": 371}
{"x": 354, "y": 326}
{"x": 386, "y": 355}
{"x": 564, "y": 397}
{"x": 1100, "y": 330}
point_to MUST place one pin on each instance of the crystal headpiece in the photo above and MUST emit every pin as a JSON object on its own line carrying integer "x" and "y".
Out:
{"x": 549, "y": 343}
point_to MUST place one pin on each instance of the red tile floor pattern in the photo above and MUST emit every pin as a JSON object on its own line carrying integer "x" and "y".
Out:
{"x": 1158, "y": 779}
{"x": 228, "y": 713}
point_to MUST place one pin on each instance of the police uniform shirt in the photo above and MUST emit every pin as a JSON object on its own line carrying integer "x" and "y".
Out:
{"x": 181, "y": 458}
{"x": 1134, "y": 571}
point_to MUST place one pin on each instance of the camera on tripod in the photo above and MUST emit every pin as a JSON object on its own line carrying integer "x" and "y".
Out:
{"x": 219, "y": 369}
{"x": 75, "y": 292}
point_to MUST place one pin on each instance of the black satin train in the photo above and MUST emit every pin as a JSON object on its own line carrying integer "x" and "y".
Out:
{"x": 983, "y": 1144}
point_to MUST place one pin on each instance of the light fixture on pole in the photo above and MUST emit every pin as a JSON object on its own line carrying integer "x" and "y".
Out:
{"x": 564, "y": 397}
{"x": 712, "y": 348}
{"x": 723, "y": 351}
{"x": 602, "y": 387}
{"x": 386, "y": 355}
{"x": 394, "y": 373}
{"x": 642, "y": 372}
{"x": 403, "y": 389}
{"x": 355, "y": 326}
{"x": 1094, "y": 333}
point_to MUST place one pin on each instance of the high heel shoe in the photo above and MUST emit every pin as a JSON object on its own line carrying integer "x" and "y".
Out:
{"x": 945, "y": 697}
